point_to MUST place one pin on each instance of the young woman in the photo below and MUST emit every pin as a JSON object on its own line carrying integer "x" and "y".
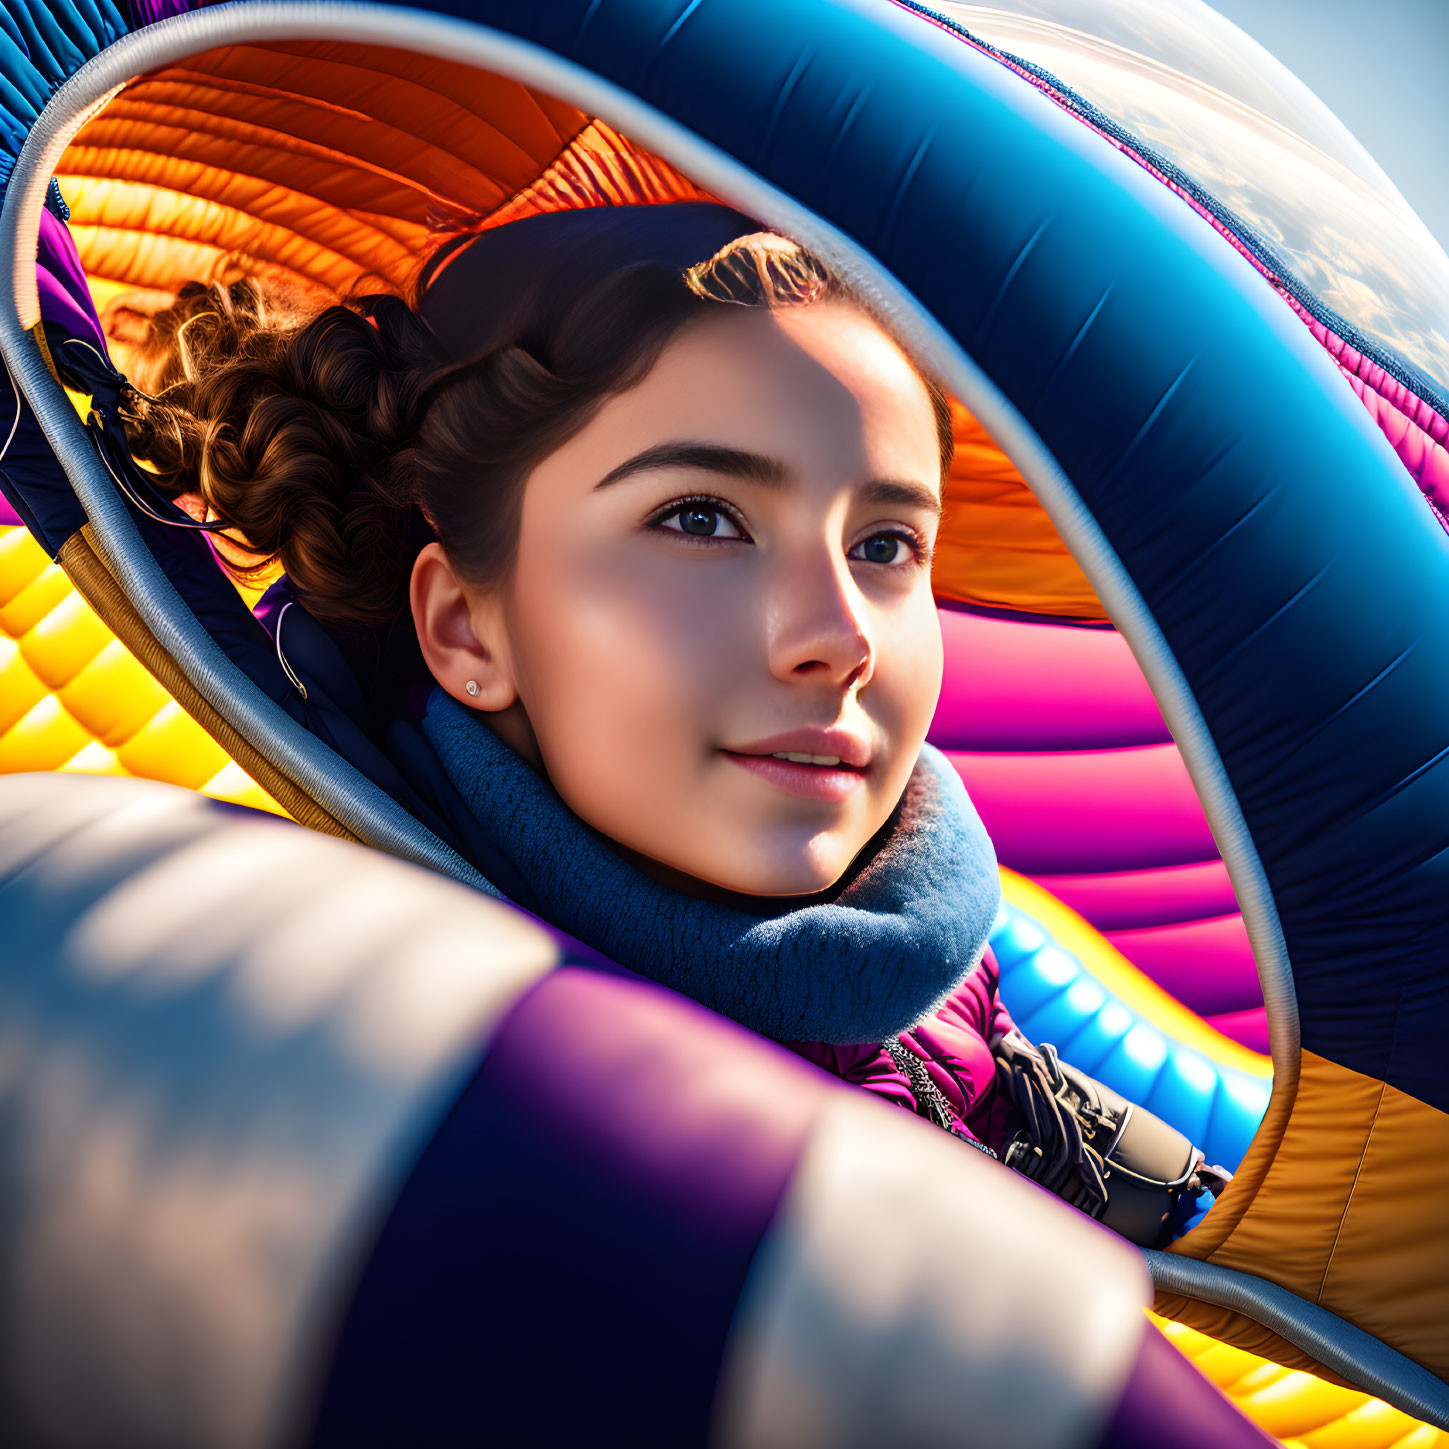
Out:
{"x": 625, "y": 518}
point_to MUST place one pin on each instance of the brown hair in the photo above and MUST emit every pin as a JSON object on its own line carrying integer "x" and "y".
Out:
{"x": 340, "y": 441}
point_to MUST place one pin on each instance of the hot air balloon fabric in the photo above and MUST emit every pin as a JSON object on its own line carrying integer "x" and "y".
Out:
{"x": 1193, "y": 577}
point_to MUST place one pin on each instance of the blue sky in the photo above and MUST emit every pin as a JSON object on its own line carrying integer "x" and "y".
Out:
{"x": 1382, "y": 66}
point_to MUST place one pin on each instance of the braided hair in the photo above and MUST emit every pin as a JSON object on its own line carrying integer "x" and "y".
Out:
{"x": 339, "y": 442}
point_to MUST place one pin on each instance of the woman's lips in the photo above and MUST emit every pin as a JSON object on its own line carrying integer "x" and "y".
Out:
{"x": 812, "y": 782}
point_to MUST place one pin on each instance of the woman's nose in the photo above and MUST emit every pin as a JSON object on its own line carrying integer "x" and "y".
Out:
{"x": 820, "y": 627}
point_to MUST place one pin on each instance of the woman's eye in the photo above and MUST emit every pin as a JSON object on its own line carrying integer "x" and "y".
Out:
{"x": 885, "y": 548}
{"x": 700, "y": 520}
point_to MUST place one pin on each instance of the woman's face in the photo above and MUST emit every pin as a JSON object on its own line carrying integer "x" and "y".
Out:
{"x": 730, "y": 563}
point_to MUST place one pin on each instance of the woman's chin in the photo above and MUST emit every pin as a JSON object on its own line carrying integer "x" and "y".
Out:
{"x": 738, "y": 877}
{"x": 789, "y": 881}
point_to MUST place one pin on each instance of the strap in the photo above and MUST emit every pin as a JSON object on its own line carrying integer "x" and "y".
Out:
{"x": 1053, "y": 1150}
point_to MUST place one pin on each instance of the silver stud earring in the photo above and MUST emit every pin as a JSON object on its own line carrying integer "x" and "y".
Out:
{"x": 472, "y": 688}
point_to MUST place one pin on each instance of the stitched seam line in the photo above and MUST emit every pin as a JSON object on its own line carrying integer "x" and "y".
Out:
{"x": 1348, "y": 1201}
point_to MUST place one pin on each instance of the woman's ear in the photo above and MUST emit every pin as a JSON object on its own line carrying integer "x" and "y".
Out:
{"x": 461, "y": 636}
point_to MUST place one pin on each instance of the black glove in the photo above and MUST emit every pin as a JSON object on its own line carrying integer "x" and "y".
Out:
{"x": 1081, "y": 1140}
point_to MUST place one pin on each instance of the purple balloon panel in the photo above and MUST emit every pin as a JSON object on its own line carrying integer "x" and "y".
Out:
{"x": 591, "y": 1207}
{"x": 1164, "y": 1388}
{"x": 1121, "y": 900}
{"x": 1061, "y": 744}
{"x": 1088, "y": 810}
{"x": 1012, "y": 685}
{"x": 1210, "y": 960}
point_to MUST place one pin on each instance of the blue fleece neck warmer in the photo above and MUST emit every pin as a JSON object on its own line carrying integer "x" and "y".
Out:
{"x": 883, "y": 954}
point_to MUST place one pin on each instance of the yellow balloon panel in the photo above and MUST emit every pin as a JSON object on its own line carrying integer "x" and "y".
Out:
{"x": 74, "y": 698}
{"x": 1298, "y": 1409}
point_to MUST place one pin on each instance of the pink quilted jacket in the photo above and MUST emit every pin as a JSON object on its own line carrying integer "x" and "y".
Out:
{"x": 953, "y": 1044}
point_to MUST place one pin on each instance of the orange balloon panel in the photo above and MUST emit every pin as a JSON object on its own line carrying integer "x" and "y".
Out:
{"x": 253, "y": 159}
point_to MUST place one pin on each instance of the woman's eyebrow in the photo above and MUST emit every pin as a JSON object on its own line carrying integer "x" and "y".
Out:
{"x": 908, "y": 495}
{"x": 756, "y": 468}
{"x": 712, "y": 457}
